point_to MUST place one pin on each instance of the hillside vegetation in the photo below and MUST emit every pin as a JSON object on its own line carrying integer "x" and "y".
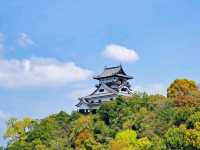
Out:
{"x": 141, "y": 122}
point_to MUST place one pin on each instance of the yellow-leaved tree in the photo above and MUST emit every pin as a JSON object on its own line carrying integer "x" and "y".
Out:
{"x": 127, "y": 140}
{"x": 181, "y": 87}
{"x": 17, "y": 129}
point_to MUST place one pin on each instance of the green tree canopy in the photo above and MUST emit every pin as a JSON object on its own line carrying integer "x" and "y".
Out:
{"x": 139, "y": 122}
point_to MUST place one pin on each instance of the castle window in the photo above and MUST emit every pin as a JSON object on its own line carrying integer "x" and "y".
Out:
{"x": 92, "y": 101}
{"x": 101, "y": 90}
{"x": 99, "y": 101}
{"x": 124, "y": 89}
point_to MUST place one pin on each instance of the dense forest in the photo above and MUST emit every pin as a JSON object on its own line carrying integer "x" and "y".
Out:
{"x": 140, "y": 122}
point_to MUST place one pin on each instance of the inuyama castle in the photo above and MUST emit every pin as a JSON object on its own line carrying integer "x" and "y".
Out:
{"x": 113, "y": 81}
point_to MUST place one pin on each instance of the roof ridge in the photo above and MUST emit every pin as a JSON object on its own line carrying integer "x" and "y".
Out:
{"x": 112, "y": 67}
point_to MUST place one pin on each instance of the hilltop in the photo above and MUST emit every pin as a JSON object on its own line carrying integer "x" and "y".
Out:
{"x": 140, "y": 122}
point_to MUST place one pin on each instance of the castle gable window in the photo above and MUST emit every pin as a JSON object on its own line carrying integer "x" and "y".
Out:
{"x": 101, "y": 90}
{"x": 124, "y": 89}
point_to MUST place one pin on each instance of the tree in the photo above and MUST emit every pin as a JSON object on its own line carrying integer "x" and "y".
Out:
{"x": 101, "y": 131}
{"x": 157, "y": 143}
{"x": 141, "y": 122}
{"x": 181, "y": 87}
{"x": 51, "y": 132}
{"x": 193, "y": 119}
{"x": 83, "y": 136}
{"x": 192, "y": 137}
{"x": 1, "y": 148}
{"x": 127, "y": 140}
{"x": 174, "y": 138}
{"x": 17, "y": 129}
{"x": 181, "y": 138}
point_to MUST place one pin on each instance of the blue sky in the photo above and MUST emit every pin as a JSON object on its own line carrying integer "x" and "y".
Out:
{"x": 50, "y": 49}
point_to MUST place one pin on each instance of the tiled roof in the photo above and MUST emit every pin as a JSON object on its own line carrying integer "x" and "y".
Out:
{"x": 111, "y": 71}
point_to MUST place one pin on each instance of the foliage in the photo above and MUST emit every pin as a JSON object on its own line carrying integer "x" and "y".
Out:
{"x": 126, "y": 140}
{"x": 174, "y": 138}
{"x": 17, "y": 129}
{"x": 181, "y": 87}
{"x": 140, "y": 122}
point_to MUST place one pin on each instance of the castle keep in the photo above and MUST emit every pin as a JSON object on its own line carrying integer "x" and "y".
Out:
{"x": 113, "y": 81}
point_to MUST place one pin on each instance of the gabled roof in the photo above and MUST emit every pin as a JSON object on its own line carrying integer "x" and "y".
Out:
{"x": 113, "y": 71}
{"x": 110, "y": 92}
{"x": 81, "y": 102}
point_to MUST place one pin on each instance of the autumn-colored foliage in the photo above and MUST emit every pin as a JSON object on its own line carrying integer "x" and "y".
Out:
{"x": 82, "y": 137}
{"x": 140, "y": 122}
{"x": 181, "y": 87}
{"x": 185, "y": 101}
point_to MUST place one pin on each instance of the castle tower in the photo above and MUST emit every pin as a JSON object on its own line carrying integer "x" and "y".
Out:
{"x": 113, "y": 81}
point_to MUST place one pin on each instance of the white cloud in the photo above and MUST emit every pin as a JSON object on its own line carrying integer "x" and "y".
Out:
{"x": 1, "y": 41}
{"x": 80, "y": 92}
{"x": 120, "y": 53}
{"x": 39, "y": 72}
{"x": 24, "y": 40}
{"x": 152, "y": 89}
